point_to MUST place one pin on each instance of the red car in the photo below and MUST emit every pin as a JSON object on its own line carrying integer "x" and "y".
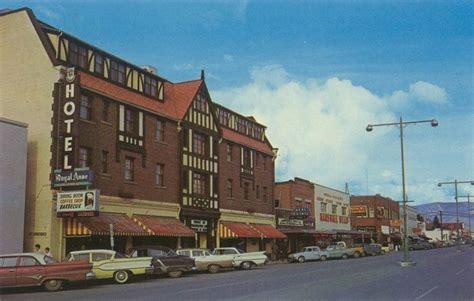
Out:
{"x": 33, "y": 269}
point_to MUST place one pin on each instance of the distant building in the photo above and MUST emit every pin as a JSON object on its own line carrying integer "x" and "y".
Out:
{"x": 412, "y": 221}
{"x": 13, "y": 158}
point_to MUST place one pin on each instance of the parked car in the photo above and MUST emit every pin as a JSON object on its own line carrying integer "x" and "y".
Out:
{"x": 205, "y": 261}
{"x": 241, "y": 259}
{"x": 373, "y": 249}
{"x": 34, "y": 269}
{"x": 338, "y": 251}
{"x": 165, "y": 260}
{"x": 108, "y": 264}
{"x": 419, "y": 245}
{"x": 308, "y": 253}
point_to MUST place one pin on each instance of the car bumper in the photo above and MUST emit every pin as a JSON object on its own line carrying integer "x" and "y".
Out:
{"x": 90, "y": 275}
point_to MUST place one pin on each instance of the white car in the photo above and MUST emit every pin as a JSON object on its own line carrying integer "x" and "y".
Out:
{"x": 308, "y": 253}
{"x": 241, "y": 259}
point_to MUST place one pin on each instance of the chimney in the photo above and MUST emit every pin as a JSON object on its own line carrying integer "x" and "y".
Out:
{"x": 150, "y": 69}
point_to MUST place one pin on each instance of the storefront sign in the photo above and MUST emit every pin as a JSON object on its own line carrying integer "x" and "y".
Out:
{"x": 85, "y": 202}
{"x": 385, "y": 229}
{"x": 343, "y": 220}
{"x": 324, "y": 217}
{"x": 69, "y": 108}
{"x": 199, "y": 225}
{"x": 76, "y": 177}
{"x": 359, "y": 210}
{"x": 301, "y": 213}
{"x": 395, "y": 222}
{"x": 290, "y": 222}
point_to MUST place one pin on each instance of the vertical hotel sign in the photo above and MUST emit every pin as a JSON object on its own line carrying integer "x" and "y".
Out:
{"x": 69, "y": 110}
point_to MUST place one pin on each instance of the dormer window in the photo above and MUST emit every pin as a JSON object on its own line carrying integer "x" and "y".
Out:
{"x": 117, "y": 72}
{"x": 77, "y": 55}
{"x": 99, "y": 64}
{"x": 151, "y": 86}
{"x": 200, "y": 103}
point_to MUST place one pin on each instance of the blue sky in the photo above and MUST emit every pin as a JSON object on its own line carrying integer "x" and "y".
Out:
{"x": 320, "y": 69}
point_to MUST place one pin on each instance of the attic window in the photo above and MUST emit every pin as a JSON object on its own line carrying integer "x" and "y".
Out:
{"x": 77, "y": 55}
{"x": 200, "y": 103}
{"x": 151, "y": 86}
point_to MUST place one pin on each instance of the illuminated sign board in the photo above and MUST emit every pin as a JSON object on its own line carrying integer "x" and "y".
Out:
{"x": 84, "y": 203}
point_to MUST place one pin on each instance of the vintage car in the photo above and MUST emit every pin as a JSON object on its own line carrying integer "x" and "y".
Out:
{"x": 205, "y": 261}
{"x": 419, "y": 245}
{"x": 111, "y": 264}
{"x": 373, "y": 249}
{"x": 35, "y": 269}
{"x": 241, "y": 259}
{"x": 339, "y": 251}
{"x": 164, "y": 260}
{"x": 308, "y": 253}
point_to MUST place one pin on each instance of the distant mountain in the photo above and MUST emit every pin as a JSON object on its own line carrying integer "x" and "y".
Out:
{"x": 430, "y": 210}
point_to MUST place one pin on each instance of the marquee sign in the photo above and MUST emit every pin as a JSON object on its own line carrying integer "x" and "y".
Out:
{"x": 78, "y": 203}
{"x": 300, "y": 213}
{"x": 76, "y": 177}
{"x": 199, "y": 225}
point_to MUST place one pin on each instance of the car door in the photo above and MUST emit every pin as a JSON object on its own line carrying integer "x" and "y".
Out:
{"x": 29, "y": 271}
{"x": 309, "y": 254}
{"x": 8, "y": 271}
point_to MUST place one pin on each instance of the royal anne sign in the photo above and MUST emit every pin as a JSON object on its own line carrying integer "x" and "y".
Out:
{"x": 69, "y": 108}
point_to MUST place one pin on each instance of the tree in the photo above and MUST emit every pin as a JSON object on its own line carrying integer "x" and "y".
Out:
{"x": 436, "y": 223}
{"x": 420, "y": 218}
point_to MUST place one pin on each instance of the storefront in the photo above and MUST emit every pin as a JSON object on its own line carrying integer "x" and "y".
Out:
{"x": 298, "y": 225}
{"x": 204, "y": 224}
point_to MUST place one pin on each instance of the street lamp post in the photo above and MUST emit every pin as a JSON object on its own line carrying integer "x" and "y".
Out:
{"x": 434, "y": 123}
{"x": 456, "y": 182}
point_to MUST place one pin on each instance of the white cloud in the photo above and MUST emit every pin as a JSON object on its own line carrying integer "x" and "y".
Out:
{"x": 228, "y": 58}
{"x": 319, "y": 128}
{"x": 181, "y": 67}
{"x": 418, "y": 93}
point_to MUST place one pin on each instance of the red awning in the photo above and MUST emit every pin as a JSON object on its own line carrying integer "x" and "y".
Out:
{"x": 163, "y": 226}
{"x": 237, "y": 230}
{"x": 268, "y": 231}
{"x": 100, "y": 225}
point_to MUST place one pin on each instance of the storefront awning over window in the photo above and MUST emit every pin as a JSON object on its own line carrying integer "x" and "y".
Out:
{"x": 163, "y": 226}
{"x": 268, "y": 231}
{"x": 237, "y": 230}
{"x": 100, "y": 225}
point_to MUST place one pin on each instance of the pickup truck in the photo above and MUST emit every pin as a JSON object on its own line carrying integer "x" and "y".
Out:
{"x": 240, "y": 259}
{"x": 34, "y": 269}
{"x": 339, "y": 251}
{"x": 205, "y": 261}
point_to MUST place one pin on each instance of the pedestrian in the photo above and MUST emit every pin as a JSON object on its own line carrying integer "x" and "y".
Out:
{"x": 38, "y": 249}
{"x": 47, "y": 252}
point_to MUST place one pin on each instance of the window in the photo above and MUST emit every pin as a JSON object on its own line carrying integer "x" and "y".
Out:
{"x": 9, "y": 262}
{"x": 344, "y": 211}
{"x": 277, "y": 203}
{"x": 334, "y": 209}
{"x": 129, "y": 121}
{"x": 105, "y": 110}
{"x": 77, "y": 55}
{"x": 224, "y": 117}
{"x": 129, "y": 176}
{"x": 264, "y": 194}
{"x": 159, "y": 174}
{"x": 101, "y": 256}
{"x": 99, "y": 64}
{"x": 241, "y": 125}
{"x": 323, "y": 207}
{"x": 199, "y": 144}
{"x": 103, "y": 161}
{"x": 264, "y": 159}
{"x": 86, "y": 107}
{"x": 229, "y": 152}
{"x": 257, "y": 156}
{"x": 151, "y": 86}
{"x": 297, "y": 203}
{"x": 198, "y": 253}
{"x": 229, "y": 188}
{"x": 81, "y": 257}
{"x": 84, "y": 157}
{"x": 246, "y": 162}
{"x": 28, "y": 261}
{"x": 117, "y": 72}
{"x": 258, "y": 192}
{"x": 199, "y": 183}
{"x": 200, "y": 103}
{"x": 160, "y": 130}
{"x": 246, "y": 191}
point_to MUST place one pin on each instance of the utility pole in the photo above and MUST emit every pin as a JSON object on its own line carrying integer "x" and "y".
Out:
{"x": 441, "y": 223}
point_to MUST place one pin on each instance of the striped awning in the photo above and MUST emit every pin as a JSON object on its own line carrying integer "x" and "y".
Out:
{"x": 268, "y": 231}
{"x": 100, "y": 225}
{"x": 237, "y": 230}
{"x": 163, "y": 226}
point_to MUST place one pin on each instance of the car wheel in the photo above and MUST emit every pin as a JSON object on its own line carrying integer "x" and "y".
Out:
{"x": 53, "y": 285}
{"x": 121, "y": 277}
{"x": 323, "y": 258}
{"x": 175, "y": 274}
{"x": 246, "y": 265}
{"x": 411, "y": 249}
{"x": 213, "y": 268}
{"x": 356, "y": 255}
{"x": 301, "y": 259}
{"x": 344, "y": 256}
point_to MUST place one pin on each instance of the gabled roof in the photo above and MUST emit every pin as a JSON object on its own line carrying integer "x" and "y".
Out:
{"x": 238, "y": 138}
{"x": 182, "y": 95}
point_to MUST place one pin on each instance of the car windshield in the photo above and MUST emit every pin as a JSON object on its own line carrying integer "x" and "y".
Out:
{"x": 49, "y": 260}
{"x": 119, "y": 255}
{"x": 331, "y": 248}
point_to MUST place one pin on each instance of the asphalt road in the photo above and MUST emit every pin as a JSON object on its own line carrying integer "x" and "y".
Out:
{"x": 440, "y": 274}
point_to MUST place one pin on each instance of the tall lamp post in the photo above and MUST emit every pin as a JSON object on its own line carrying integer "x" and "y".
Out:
{"x": 469, "y": 213}
{"x": 434, "y": 123}
{"x": 455, "y": 183}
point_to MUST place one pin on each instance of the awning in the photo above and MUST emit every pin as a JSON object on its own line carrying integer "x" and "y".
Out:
{"x": 100, "y": 225}
{"x": 237, "y": 230}
{"x": 302, "y": 231}
{"x": 268, "y": 231}
{"x": 163, "y": 226}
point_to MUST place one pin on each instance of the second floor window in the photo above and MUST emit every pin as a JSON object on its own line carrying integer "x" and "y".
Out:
{"x": 86, "y": 107}
{"x": 199, "y": 183}
{"x": 159, "y": 174}
{"x": 246, "y": 158}
{"x": 129, "y": 121}
{"x": 323, "y": 207}
{"x": 129, "y": 169}
{"x": 258, "y": 192}
{"x": 229, "y": 152}
{"x": 344, "y": 211}
{"x": 99, "y": 64}
{"x": 105, "y": 110}
{"x": 246, "y": 191}
{"x": 104, "y": 161}
{"x": 264, "y": 197}
{"x": 334, "y": 209}
{"x": 229, "y": 188}
{"x": 84, "y": 157}
{"x": 199, "y": 144}
{"x": 160, "y": 130}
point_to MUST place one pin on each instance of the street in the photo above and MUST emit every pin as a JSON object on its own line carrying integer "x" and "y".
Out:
{"x": 440, "y": 274}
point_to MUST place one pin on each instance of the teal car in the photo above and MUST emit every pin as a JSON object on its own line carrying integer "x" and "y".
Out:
{"x": 338, "y": 251}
